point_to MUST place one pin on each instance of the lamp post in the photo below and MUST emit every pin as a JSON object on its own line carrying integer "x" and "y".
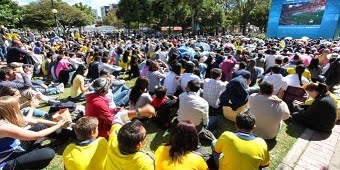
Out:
{"x": 55, "y": 11}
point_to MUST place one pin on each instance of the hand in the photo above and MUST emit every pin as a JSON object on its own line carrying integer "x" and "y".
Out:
{"x": 34, "y": 103}
{"x": 174, "y": 97}
{"x": 275, "y": 99}
{"x": 64, "y": 123}
{"x": 44, "y": 86}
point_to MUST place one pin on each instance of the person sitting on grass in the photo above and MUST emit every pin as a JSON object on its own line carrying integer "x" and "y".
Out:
{"x": 118, "y": 93}
{"x": 181, "y": 153}
{"x": 269, "y": 111}
{"x": 26, "y": 111}
{"x": 98, "y": 106}
{"x": 163, "y": 106}
{"x": 88, "y": 152}
{"x": 78, "y": 87}
{"x": 38, "y": 85}
{"x": 125, "y": 144}
{"x": 194, "y": 108}
{"x": 213, "y": 87}
{"x": 322, "y": 114}
{"x": 241, "y": 149}
{"x": 20, "y": 147}
{"x": 139, "y": 95}
{"x": 8, "y": 78}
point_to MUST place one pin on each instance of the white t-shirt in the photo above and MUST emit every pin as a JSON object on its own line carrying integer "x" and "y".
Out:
{"x": 293, "y": 80}
{"x": 270, "y": 61}
{"x": 278, "y": 81}
{"x": 171, "y": 83}
{"x": 186, "y": 77}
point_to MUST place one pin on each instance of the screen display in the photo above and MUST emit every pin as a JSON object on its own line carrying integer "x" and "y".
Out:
{"x": 302, "y": 12}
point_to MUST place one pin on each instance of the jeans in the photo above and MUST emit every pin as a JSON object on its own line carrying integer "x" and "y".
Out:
{"x": 35, "y": 156}
{"x": 121, "y": 95}
{"x": 212, "y": 122}
{"x": 36, "y": 112}
{"x": 49, "y": 91}
{"x": 80, "y": 97}
{"x": 3, "y": 52}
{"x": 70, "y": 77}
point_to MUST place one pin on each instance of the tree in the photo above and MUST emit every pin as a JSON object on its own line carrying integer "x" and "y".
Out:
{"x": 132, "y": 11}
{"x": 244, "y": 10}
{"x": 69, "y": 16}
{"x": 87, "y": 10}
{"x": 212, "y": 15}
{"x": 38, "y": 15}
{"x": 112, "y": 19}
{"x": 10, "y": 13}
{"x": 259, "y": 17}
{"x": 195, "y": 7}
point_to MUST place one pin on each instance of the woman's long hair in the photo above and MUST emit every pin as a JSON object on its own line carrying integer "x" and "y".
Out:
{"x": 314, "y": 64}
{"x": 299, "y": 70}
{"x": 80, "y": 71}
{"x": 10, "y": 111}
{"x": 140, "y": 87}
{"x": 126, "y": 56}
{"x": 183, "y": 139}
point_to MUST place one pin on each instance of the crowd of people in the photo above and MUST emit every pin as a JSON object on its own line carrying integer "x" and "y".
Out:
{"x": 255, "y": 83}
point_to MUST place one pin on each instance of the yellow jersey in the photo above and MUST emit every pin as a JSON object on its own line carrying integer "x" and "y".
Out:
{"x": 118, "y": 161}
{"x": 241, "y": 153}
{"x": 87, "y": 157}
{"x": 191, "y": 160}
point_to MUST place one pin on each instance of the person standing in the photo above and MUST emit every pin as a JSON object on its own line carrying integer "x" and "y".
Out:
{"x": 3, "y": 50}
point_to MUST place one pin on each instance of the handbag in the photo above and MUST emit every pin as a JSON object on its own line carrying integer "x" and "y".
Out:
{"x": 206, "y": 134}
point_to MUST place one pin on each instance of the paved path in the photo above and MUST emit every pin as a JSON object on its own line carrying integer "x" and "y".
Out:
{"x": 314, "y": 151}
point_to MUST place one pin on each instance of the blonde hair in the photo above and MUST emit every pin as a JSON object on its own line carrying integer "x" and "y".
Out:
{"x": 10, "y": 111}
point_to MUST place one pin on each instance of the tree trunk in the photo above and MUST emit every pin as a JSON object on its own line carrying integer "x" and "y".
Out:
{"x": 244, "y": 29}
{"x": 193, "y": 26}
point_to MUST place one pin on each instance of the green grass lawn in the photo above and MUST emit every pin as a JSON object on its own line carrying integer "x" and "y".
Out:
{"x": 285, "y": 139}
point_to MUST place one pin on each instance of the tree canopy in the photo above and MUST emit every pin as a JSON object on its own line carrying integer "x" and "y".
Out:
{"x": 10, "y": 13}
{"x": 211, "y": 15}
{"x": 38, "y": 15}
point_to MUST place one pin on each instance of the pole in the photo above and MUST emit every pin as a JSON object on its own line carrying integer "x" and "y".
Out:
{"x": 55, "y": 18}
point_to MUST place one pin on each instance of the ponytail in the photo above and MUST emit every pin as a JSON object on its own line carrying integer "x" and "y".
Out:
{"x": 299, "y": 70}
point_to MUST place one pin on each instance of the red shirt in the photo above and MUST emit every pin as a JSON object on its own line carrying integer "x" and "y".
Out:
{"x": 98, "y": 106}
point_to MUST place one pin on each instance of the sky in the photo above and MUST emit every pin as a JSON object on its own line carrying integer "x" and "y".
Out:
{"x": 95, "y": 4}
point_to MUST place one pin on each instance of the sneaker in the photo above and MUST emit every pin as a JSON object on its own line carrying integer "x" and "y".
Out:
{"x": 61, "y": 88}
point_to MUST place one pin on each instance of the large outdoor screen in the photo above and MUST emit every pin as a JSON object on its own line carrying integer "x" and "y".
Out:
{"x": 302, "y": 12}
